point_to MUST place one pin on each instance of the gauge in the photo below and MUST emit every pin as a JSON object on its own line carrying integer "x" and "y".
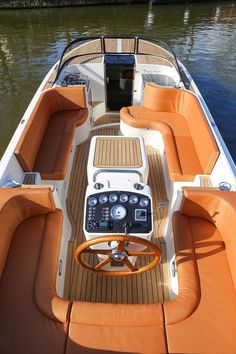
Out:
{"x": 133, "y": 199}
{"x": 118, "y": 212}
{"x": 92, "y": 201}
{"x": 144, "y": 202}
{"x": 103, "y": 199}
{"x": 140, "y": 214}
{"x": 124, "y": 198}
{"x": 113, "y": 198}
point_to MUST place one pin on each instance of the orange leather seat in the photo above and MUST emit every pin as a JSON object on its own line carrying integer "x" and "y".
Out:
{"x": 192, "y": 148}
{"x": 45, "y": 144}
{"x": 112, "y": 328}
{"x": 33, "y": 318}
{"x": 202, "y": 319}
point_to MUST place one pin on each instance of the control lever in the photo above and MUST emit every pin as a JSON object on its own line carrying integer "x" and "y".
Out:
{"x": 127, "y": 226}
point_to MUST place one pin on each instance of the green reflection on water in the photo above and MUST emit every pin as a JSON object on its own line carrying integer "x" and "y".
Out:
{"x": 203, "y": 36}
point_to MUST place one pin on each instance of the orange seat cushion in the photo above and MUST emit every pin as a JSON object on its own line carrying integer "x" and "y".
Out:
{"x": 46, "y": 142}
{"x": 218, "y": 207}
{"x": 112, "y": 328}
{"x": 182, "y": 159}
{"x": 196, "y": 149}
{"x": 24, "y": 327}
{"x": 202, "y": 319}
{"x": 54, "y": 152}
{"x": 15, "y": 206}
{"x": 210, "y": 326}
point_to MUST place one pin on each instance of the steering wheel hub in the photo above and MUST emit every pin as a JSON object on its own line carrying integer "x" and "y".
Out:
{"x": 118, "y": 256}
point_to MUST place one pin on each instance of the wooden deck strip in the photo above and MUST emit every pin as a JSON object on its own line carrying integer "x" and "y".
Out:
{"x": 128, "y": 45}
{"x": 29, "y": 178}
{"x": 107, "y": 118}
{"x": 88, "y": 58}
{"x": 151, "y": 59}
{"x": 117, "y": 152}
{"x": 205, "y": 181}
{"x": 85, "y": 50}
{"x": 82, "y": 285}
{"x": 111, "y": 45}
{"x": 146, "y": 47}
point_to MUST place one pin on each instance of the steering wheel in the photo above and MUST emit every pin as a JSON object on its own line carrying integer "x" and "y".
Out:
{"x": 119, "y": 254}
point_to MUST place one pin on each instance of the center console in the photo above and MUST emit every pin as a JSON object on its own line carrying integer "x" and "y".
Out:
{"x": 112, "y": 211}
{"x": 118, "y": 199}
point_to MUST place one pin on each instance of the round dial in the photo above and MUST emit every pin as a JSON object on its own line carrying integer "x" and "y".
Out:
{"x": 118, "y": 212}
{"x": 124, "y": 198}
{"x": 133, "y": 199}
{"x": 92, "y": 201}
{"x": 113, "y": 198}
{"x": 103, "y": 199}
{"x": 144, "y": 202}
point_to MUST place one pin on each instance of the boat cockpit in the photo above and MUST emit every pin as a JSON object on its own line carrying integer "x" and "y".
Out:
{"x": 117, "y": 210}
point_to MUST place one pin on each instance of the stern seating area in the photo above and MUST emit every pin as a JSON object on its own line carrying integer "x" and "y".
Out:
{"x": 46, "y": 142}
{"x": 202, "y": 319}
{"x": 189, "y": 143}
{"x": 33, "y": 319}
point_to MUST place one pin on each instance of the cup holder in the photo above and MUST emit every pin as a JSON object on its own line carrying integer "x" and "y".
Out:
{"x": 138, "y": 186}
{"x": 98, "y": 185}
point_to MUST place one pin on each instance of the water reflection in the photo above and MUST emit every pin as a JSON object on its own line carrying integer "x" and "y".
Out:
{"x": 186, "y": 16}
{"x": 202, "y": 35}
{"x": 149, "y": 20}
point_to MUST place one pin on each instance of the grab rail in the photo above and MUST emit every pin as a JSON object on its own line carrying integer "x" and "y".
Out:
{"x": 136, "y": 49}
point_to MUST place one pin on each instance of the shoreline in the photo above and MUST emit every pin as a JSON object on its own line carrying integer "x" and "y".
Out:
{"x": 31, "y": 4}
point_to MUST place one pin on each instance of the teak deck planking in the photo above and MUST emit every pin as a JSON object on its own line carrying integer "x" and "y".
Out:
{"x": 115, "y": 152}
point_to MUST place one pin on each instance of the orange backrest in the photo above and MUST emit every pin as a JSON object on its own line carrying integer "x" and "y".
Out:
{"x": 161, "y": 99}
{"x": 16, "y": 205}
{"x": 187, "y": 105}
{"x": 219, "y": 207}
{"x": 201, "y": 134}
{"x": 51, "y": 101}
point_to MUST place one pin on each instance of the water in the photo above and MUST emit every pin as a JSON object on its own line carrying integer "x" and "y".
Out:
{"x": 203, "y": 36}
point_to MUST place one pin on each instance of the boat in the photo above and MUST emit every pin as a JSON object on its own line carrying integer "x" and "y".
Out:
{"x": 118, "y": 210}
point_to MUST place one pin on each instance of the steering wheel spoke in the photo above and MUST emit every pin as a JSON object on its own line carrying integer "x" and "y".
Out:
{"x": 130, "y": 265}
{"x": 120, "y": 246}
{"x": 102, "y": 263}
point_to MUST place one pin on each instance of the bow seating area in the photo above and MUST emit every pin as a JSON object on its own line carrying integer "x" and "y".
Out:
{"x": 46, "y": 142}
{"x": 35, "y": 320}
{"x": 189, "y": 144}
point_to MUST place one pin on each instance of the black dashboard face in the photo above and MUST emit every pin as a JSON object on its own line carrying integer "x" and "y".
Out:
{"x": 118, "y": 212}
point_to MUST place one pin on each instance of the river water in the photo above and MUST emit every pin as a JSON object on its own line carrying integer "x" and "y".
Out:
{"x": 203, "y": 35}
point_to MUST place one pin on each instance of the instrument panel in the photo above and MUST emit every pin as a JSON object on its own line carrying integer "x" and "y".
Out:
{"x": 118, "y": 212}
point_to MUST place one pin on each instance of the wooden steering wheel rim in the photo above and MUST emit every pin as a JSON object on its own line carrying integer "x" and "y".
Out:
{"x": 84, "y": 248}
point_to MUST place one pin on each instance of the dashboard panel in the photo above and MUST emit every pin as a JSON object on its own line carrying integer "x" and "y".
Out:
{"x": 118, "y": 212}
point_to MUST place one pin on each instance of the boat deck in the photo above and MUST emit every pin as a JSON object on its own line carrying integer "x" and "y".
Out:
{"x": 90, "y": 53}
{"x": 80, "y": 284}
